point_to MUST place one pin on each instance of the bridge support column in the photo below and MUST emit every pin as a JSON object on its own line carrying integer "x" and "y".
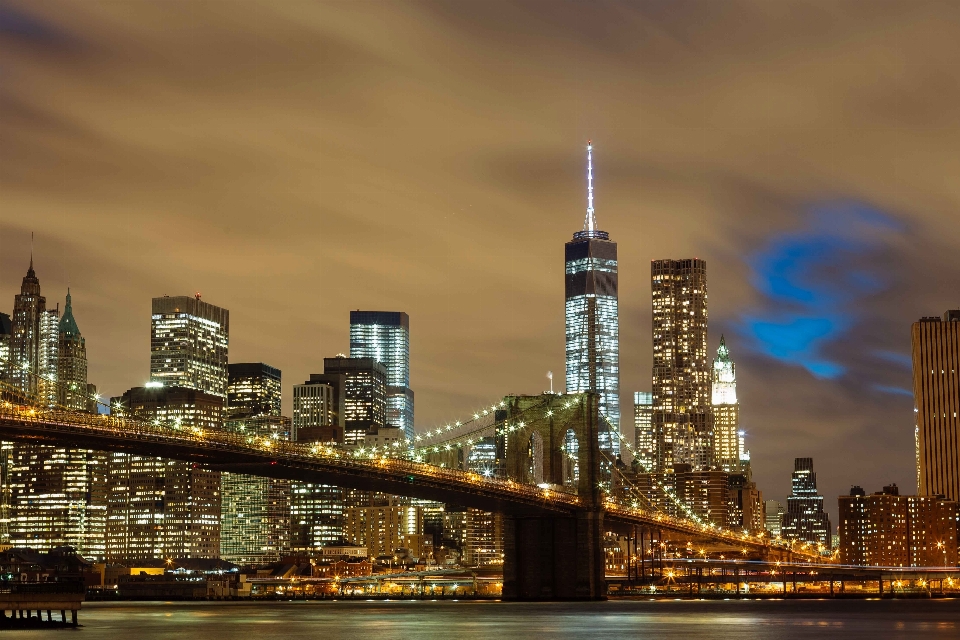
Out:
{"x": 554, "y": 557}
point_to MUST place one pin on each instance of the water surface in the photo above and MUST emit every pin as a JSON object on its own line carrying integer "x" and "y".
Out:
{"x": 660, "y": 620}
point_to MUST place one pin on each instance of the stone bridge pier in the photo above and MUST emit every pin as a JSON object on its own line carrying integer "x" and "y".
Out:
{"x": 555, "y": 557}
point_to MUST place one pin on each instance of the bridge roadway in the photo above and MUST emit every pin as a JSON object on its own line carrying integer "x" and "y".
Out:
{"x": 309, "y": 462}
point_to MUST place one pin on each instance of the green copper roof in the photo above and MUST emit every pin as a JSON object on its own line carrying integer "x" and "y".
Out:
{"x": 68, "y": 326}
{"x": 723, "y": 353}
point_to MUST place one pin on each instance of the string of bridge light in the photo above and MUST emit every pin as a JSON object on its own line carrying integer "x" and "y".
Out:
{"x": 402, "y": 448}
{"x": 667, "y": 490}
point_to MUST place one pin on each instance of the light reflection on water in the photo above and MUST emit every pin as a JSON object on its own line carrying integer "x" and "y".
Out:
{"x": 666, "y": 620}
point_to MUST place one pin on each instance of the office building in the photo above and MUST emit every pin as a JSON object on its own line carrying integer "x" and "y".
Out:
{"x": 385, "y": 337}
{"x": 704, "y": 492}
{"x": 365, "y": 402}
{"x": 482, "y": 539}
{"x": 319, "y": 408}
{"x": 188, "y": 344}
{"x": 71, "y": 362}
{"x": 255, "y": 511}
{"x": 936, "y": 397}
{"x": 682, "y": 411}
{"x": 161, "y": 508}
{"x": 47, "y": 386}
{"x": 644, "y": 441}
{"x": 28, "y": 310}
{"x": 744, "y": 504}
{"x": 773, "y": 517}
{"x": 886, "y": 529}
{"x": 592, "y": 317}
{"x": 5, "y": 331}
{"x": 805, "y": 520}
{"x": 726, "y": 412}
{"x": 253, "y": 389}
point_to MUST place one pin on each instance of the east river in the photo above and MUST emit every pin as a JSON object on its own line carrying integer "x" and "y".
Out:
{"x": 657, "y": 620}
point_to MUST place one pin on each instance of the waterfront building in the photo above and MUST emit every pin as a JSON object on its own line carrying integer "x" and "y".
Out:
{"x": 482, "y": 539}
{"x": 382, "y": 528}
{"x": 160, "y": 508}
{"x": 255, "y": 511}
{"x": 188, "y": 344}
{"x": 644, "y": 442}
{"x": 805, "y": 520}
{"x": 682, "y": 410}
{"x": 592, "y": 317}
{"x": 58, "y": 497}
{"x": 365, "y": 406}
{"x": 28, "y": 309}
{"x": 385, "y": 337}
{"x": 886, "y": 529}
{"x": 726, "y": 413}
{"x": 936, "y": 398}
{"x": 71, "y": 362}
{"x": 773, "y": 517}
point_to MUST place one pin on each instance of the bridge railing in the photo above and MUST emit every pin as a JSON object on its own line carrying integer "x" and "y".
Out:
{"x": 268, "y": 448}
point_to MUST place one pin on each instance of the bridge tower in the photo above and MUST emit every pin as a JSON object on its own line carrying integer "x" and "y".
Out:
{"x": 550, "y": 557}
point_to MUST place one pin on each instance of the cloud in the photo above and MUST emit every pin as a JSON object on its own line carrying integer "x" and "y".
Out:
{"x": 811, "y": 281}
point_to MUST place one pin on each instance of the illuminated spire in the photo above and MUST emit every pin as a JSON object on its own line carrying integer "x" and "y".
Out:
{"x": 590, "y": 224}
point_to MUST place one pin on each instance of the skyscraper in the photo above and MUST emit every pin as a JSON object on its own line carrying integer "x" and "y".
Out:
{"x": 936, "y": 398}
{"x": 28, "y": 309}
{"x": 255, "y": 511}
{"x": 365, "y": 405}
{"x": 726, "y": 412}
{"x": 188, "y": 344}
{"x": 160, "y": 508}
{"x": 71, "y": 361}
{"x": 5, "y": 330}
{"x": 592, "y": 316}
{"x": 805, "y": 519}
{"x": 682, "y": 416}
{"x": 58, "y": 495}
{"x": 385, "y": 337}
{"x": 47, "y": 386}
{"x": 643, "y": 423}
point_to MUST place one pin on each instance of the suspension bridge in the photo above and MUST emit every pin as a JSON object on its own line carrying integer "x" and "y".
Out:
{"x": 552, "y": 482}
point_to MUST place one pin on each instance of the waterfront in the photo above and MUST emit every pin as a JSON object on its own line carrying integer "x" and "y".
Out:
{"x": 784, "y": 620}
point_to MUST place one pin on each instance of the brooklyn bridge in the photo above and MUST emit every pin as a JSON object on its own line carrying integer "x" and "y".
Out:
{"x": 558, "y": 490}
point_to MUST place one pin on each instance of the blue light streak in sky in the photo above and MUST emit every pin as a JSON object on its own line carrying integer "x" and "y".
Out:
{"x": 811, "y": 280}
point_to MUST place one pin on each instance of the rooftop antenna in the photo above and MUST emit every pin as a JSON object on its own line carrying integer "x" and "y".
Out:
{"x": 590, "y": 224}
{"x": 550, "y": 378}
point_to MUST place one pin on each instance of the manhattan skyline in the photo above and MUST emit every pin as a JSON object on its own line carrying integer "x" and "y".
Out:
{"x": 292, "y": 209}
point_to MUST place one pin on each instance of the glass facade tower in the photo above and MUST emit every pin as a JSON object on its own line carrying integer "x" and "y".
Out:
{"x": 254, "y": 511}
{"x": 385, "y": 337}
{"x": 592, "y": 317}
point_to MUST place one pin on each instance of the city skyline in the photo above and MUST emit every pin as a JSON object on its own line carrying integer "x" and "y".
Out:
{"x": 674, "y": 209}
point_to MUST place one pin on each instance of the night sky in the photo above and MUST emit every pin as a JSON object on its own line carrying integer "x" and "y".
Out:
{"x": 293, "y": 161}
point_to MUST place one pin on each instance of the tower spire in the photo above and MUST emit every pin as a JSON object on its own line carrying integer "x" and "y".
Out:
{"x": 590, "y": 223}
{"x": 30, "y": 270}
